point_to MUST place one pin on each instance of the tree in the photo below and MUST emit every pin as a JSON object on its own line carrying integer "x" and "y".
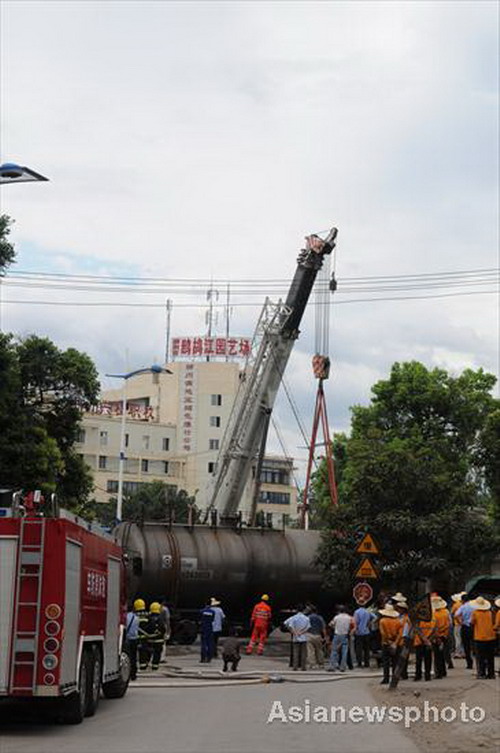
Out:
{"x": 153, "y": 501}
{"x": 418, "y": 474}
{"x": 43, "y": 392}
{"x": 7, "y": 252}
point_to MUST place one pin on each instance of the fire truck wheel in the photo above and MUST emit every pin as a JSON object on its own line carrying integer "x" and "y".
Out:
{"x": 74, "y": 706}
{"x": 117, "y": 688}
{"x": 94, "y": 681}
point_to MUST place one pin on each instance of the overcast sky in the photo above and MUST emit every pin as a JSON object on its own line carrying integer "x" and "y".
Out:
{"x": 190, "y": 140}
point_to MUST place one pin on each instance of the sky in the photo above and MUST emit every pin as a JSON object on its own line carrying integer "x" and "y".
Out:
{"x": 204, "y": 140}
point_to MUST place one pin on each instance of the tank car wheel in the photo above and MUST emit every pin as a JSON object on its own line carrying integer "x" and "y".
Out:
{"x": 75, "y": 705}
{"x": 94, "y": 681}
{"x": 118, "y": 687}
{"x": 185, "y": 632}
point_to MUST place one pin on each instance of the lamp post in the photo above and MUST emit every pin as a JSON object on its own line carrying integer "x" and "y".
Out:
{"x": 155, "y": 369}
{"x": 12, "y": 173}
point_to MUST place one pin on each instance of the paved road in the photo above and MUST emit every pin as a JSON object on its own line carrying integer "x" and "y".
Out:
{"x": 214, "y": 720}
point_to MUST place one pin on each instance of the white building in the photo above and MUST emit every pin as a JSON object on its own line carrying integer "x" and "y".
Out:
{"x": 174, "y": 429}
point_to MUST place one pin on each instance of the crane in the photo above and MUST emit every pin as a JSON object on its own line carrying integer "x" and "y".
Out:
{"x": 275, "y": 335}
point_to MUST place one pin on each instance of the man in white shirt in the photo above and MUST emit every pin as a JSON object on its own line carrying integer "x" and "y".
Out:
{"x": 342, "y": 625}
{"x": 219, "y": 618}
{"x": 299, "y": 625}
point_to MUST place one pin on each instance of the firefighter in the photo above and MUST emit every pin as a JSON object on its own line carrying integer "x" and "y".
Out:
{"x": 260, "y": 621}
{"x": 142, "y": 647}
{"x": 155, "y": 631}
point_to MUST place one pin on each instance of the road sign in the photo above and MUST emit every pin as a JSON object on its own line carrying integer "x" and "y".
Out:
{"x": 367, "y": 545}
{"x": 366, "y": 570}
{"x": 363, "y": 593}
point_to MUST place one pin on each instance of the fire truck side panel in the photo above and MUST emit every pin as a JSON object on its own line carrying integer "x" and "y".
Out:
{"x": 70, "y": 646}
{"x": 111, "y": 645}
{"x": 8, "y": 560}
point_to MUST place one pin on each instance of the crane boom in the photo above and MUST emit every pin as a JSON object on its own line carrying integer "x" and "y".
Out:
{"x": 277, "y": 330}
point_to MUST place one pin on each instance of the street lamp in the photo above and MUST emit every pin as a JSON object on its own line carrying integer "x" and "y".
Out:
{"x": 154, "y": 369}
{"x": 12, "y": 173}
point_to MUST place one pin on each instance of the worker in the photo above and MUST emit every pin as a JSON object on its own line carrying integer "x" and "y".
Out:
{"x": 362, "y": 619}
{"x": 219, "y": 618}
{"x": 316, "y": 638}
{"x": 132, "y": 637}
{"x": 391, "y": 632}
{"x": 231, "y": 650}
{"x": 298, "y": 624}
{"x": 442, "y": 620}
{"x": 458, "y": 649}
{"x": 425, "y": 631}
{"x": 484, "y": 638}
{"x": 142, "y": 636}
{"x": 207, "y": 616}
{"x": 260, "y": 622}
{"x": 342, "y": 626}
{"x": 155, "y": 630}
{"x": 464, "y": 616}
{"x": 401, "y": 606}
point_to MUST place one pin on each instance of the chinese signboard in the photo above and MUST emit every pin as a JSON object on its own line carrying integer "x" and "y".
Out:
{"x": 136, "y": 411}
{"x": 213, "y": 347}
{"x": 367, "y": 545}
{"x": 187, "y": 408}
{"x": 363, "y": 593}
{"x": 366, "y": 570}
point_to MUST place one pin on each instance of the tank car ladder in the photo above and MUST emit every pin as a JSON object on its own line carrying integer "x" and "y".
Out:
{"x": 28, "y": 601}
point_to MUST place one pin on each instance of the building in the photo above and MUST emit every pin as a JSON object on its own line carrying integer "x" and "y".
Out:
{"x": 174, "y": 428}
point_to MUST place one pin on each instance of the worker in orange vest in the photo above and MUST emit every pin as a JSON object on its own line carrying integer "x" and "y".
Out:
{"x": 260, "y": 621}
{"x": 391, "y": 630}
{"x": 484, "y": 638}
{"x": 425, "y": 630}
{"x": 443, "y": 626}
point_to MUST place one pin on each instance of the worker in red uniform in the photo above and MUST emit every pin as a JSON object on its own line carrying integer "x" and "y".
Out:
{"x": 260, "y": 621}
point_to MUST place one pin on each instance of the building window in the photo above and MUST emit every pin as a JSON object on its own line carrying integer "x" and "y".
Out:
{"x": 165, "y": 466}
{"x": 145, "y": 466}
{"x": 212, "y": 467}
{"x": 213, "y": 444}
{"x": 165, "y": 445}
{"x": 80, "y": 438}
{"x": 145, "y": 442}
{"x": 103, "y": 460}
{"x": 216, "y": 400}
{"x": 214, "y": 420}
{"x": 126, "y": 439}
{"x": 103, "y": 438}
{"x": 129, "y": 487}
{"x": 273, "y": 476}
{"x": 274, "y": 498}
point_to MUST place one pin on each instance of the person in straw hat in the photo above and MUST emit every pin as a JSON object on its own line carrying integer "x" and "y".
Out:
{"x": 484, "y": 638}
{"x": 425, "y": 631}
{"x": 443, "y": 625}
{"x": 458, "y": 649}
{"x": 401, "y": 607}
{"x": 391, "y": 632}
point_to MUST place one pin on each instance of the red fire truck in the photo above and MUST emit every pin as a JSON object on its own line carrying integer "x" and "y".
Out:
{"x": 62, "y": 609}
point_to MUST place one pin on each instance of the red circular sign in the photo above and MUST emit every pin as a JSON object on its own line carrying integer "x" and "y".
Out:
{"x": 363, "y": 593}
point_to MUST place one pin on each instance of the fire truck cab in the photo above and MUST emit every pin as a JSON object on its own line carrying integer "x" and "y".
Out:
{"x": 62, "y": 609}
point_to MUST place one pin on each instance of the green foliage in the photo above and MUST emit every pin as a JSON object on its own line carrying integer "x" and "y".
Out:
{"x": 154, "y": 501}
{"x": 419, "y": 471}
{"x": 43, "y": 391}
{"x": 7, "y": 252}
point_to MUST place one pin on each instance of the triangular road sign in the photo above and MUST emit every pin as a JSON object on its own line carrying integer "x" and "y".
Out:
{"x": 367, "y": 545}
{"x": 366, "y": 570}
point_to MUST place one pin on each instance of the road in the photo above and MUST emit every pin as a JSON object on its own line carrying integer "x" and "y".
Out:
{"x": 216, "y": 719}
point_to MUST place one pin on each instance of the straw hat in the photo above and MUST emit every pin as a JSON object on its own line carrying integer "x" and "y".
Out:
{"x": 398, "y": 597}
{"x": 402, "y": 603}
{"x": 214, "y": 602}
{"x": 438, "y": 603}
{"x": 458, "y": 596}
{"x": 480, "y": 603}
{"x": 497, "y": 603}
{"x": 388, "y": 611}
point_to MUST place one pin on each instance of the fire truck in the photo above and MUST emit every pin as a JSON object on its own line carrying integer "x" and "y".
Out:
{"x": 62, "y": 609}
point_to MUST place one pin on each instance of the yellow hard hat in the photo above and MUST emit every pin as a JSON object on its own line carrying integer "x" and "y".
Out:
{"x": 155, "y": 608}
{"x": 265, "y": 597}
{"x": 139, "y": 604}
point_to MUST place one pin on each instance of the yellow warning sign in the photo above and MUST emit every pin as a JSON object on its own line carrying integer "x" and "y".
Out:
{"x": 366, "y": 570}
{"x": 367, "y": 545}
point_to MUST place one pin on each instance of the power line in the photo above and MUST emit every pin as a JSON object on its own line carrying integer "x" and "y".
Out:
{"x": 256, "y": 304}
